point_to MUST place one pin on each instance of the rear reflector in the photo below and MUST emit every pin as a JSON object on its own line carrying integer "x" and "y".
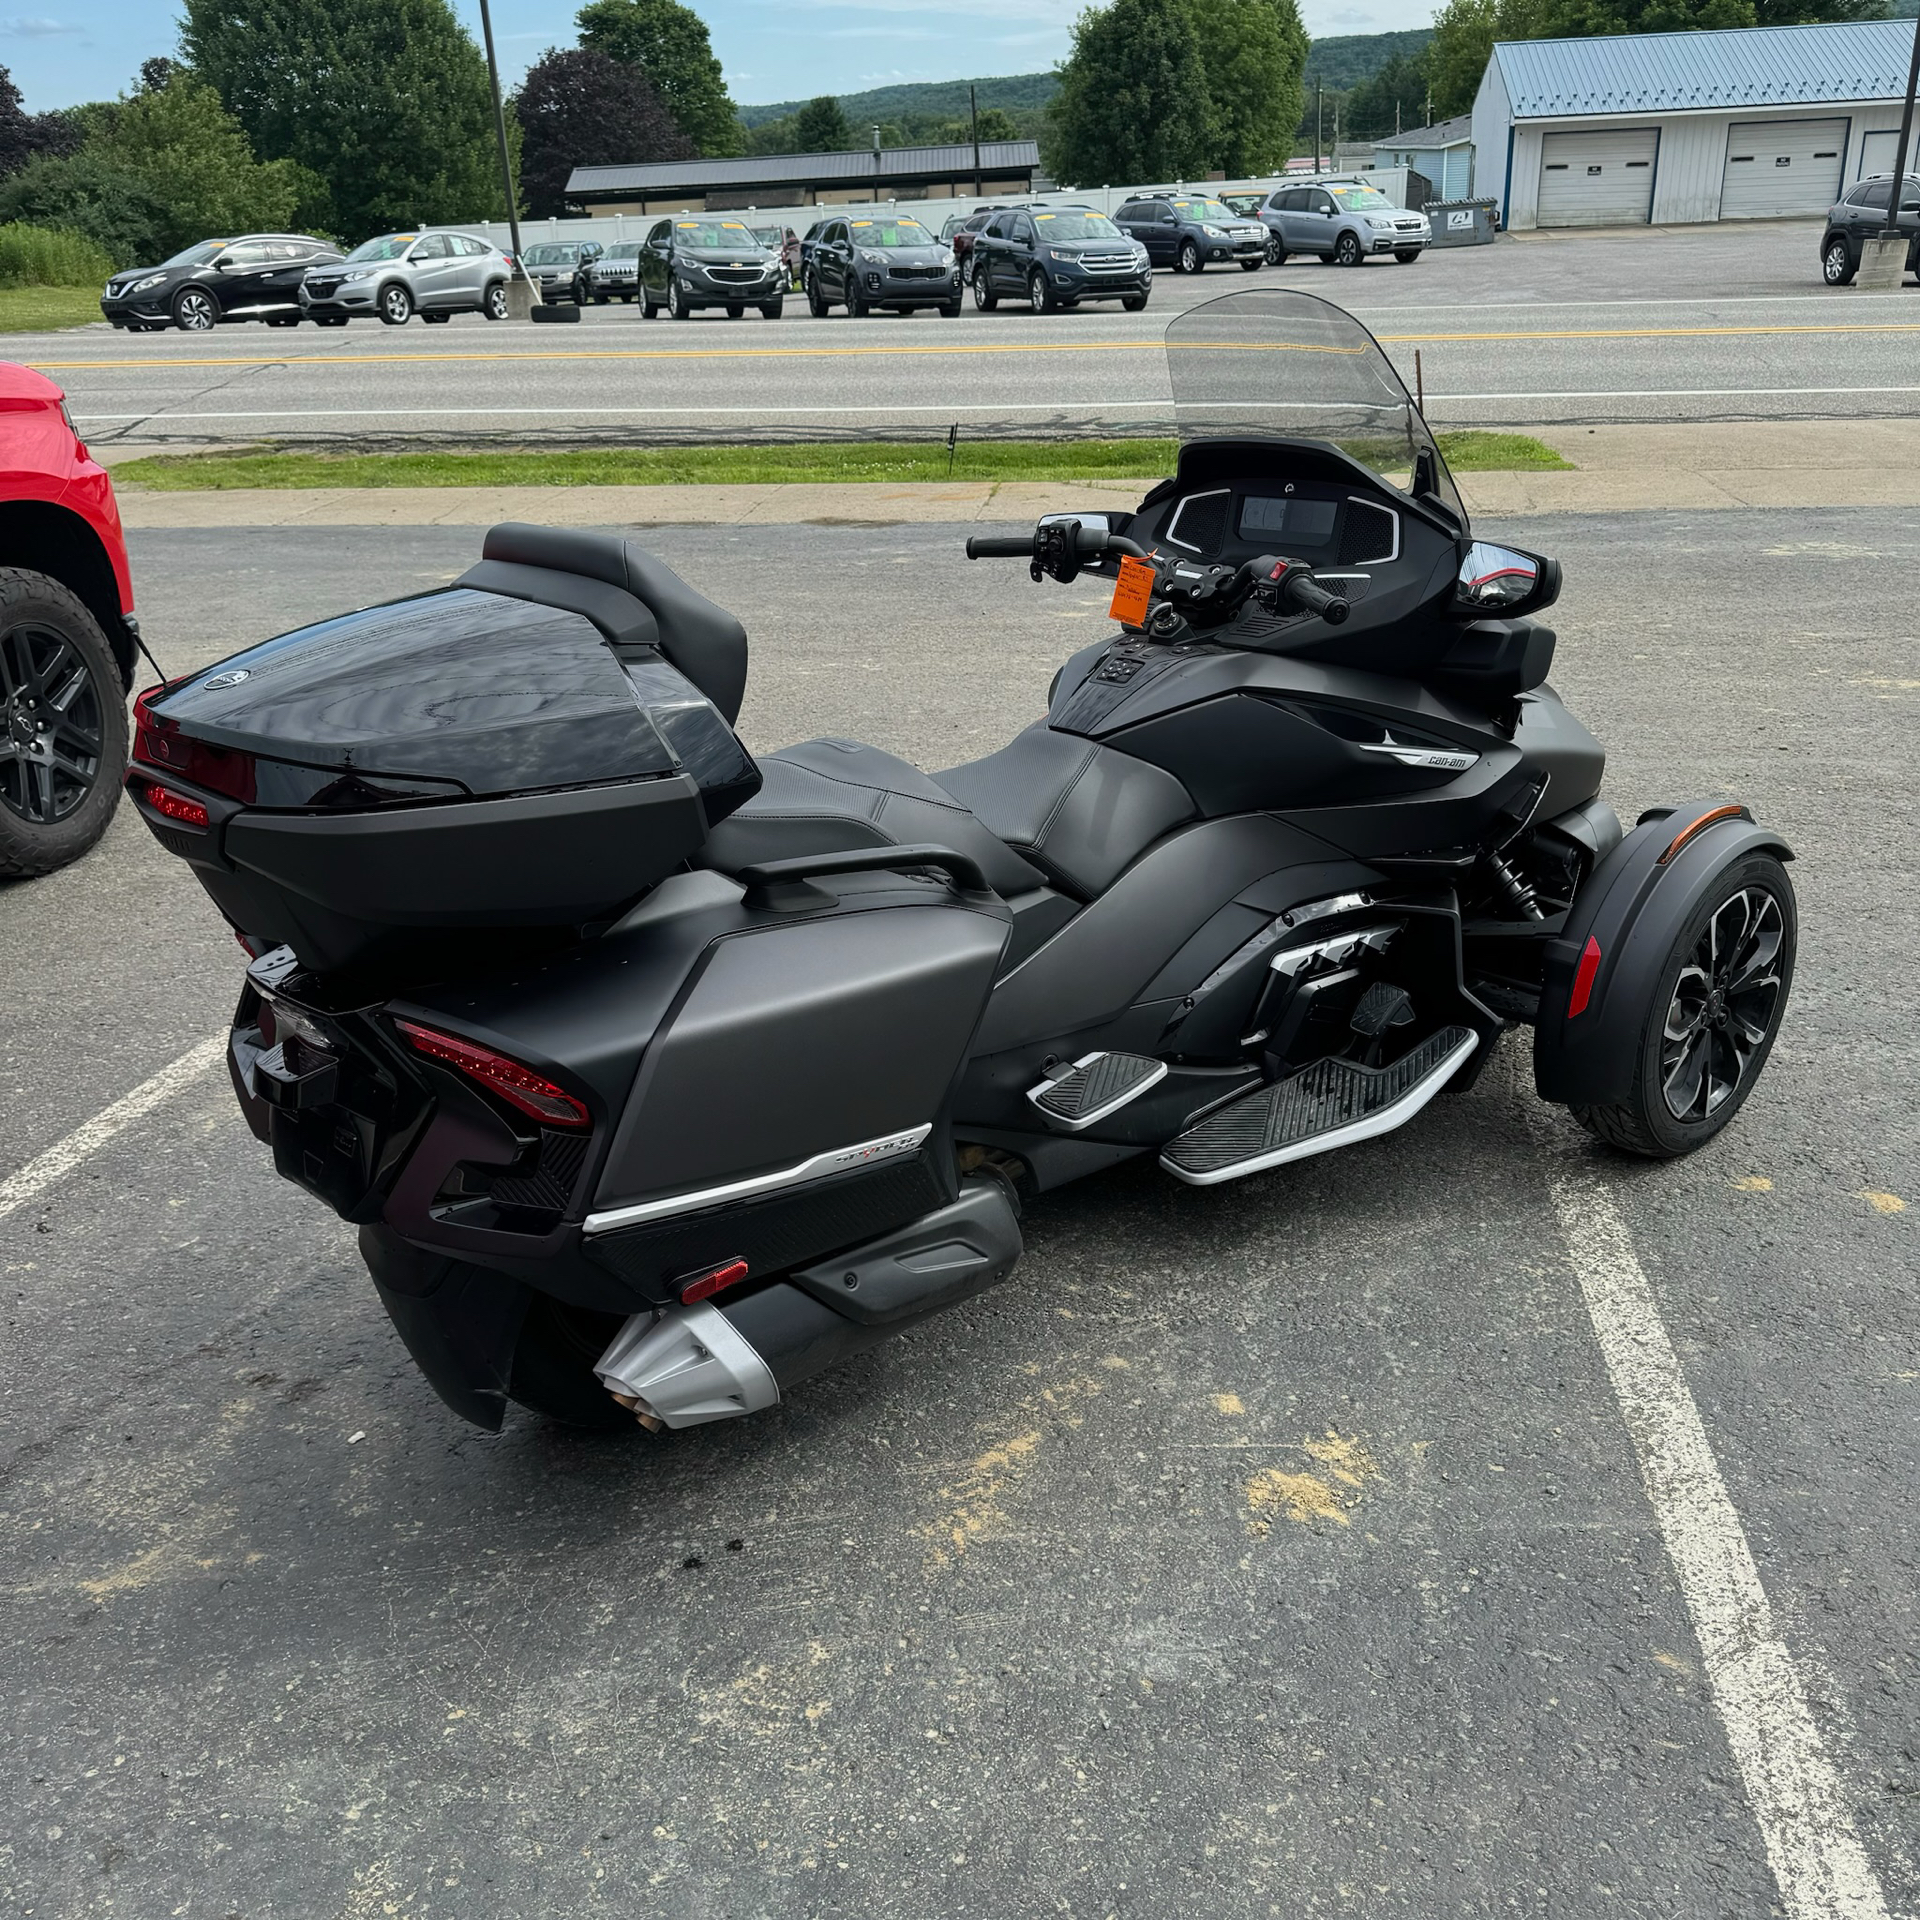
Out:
{"x": 519, "y": 1086}
{"x": 1583, "y": 979}
{"x": 175, "y": 806}
{"x": 158, "y": 742}
{"x": 704, "y": 1285}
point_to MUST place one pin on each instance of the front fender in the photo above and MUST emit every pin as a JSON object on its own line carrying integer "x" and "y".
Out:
{"x": 1602, "y": 969}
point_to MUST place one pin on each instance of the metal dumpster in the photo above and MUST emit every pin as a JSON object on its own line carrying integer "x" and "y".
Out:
{"x": 1463, "y": 223}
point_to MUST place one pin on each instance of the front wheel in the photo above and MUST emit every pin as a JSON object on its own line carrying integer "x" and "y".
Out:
{"x": 194, "y": 311}
{"x": 817, "y": 302}
{"x": 1040, "y": 292}
{"x": 63, "y": 726}
{"x": 857, "y": 308}
{"x": 951, "y": 311}
{"x": 1346, "y": 251}
{"x": 648, "y": 311}
{"x": 1715, "y": 1010}
{"x": 966, "y": 269}
{"x": 772, "y": 309}
{"x": 396, "y": 305}
{"x": 1836, "y": 262}
{"x": 1276, "y": 253}
{"x": 1189, "y": 260}
{"x": 677, "y": 303}
{"x": 984, "y": 296}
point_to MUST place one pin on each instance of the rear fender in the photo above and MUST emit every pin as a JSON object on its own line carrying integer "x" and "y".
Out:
{"x": 1630, "y": 912}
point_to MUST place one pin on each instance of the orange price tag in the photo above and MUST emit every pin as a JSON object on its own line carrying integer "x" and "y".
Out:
{"x": 1134, "y": 592}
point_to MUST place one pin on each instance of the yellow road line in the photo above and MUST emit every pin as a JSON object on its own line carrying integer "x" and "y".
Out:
{"x": 426, "y": 357}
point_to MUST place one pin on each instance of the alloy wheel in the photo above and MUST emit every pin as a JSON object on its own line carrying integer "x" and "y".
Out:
{"x": 50, "y": 725}
{"x": 396, "y": 306}
{"x": 1724, "y": 1004}
{"x": 194, "y": 311}
{"x": 1189, "y": 257}
{"x": 1836, "y": 263}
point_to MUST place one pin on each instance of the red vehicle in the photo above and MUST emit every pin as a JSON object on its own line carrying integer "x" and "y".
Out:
{"x": 67, "y": 634}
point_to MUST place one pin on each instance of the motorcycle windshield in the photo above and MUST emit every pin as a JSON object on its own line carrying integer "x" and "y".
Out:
{"x": 1271, "y": 363}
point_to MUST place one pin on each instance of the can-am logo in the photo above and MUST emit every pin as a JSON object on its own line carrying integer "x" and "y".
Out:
{"x": 232, "y": 679}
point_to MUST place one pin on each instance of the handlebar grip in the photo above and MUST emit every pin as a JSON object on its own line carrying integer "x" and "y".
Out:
{"x": 1000, "y": 546}
{"x": 1310, "y": 597}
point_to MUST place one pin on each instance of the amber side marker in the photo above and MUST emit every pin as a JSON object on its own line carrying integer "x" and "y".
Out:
{"x": 1680, "y": 839}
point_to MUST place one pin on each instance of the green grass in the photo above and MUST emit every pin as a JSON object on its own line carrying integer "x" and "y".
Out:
{"x": 33, "y": 256}
{"x": 875, "y": 461}
{"x": 40, "y": 309}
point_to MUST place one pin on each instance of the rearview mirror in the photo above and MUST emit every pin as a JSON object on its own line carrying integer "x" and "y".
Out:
{"x": 1503, "y": 580}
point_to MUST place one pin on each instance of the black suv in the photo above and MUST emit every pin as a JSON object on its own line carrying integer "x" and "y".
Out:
{"x": 1864, "y": 212}
{"x": 693, "y": 262}
{"x": 1055, "y": 257}
{"x": 255, "y": 276}
{"x": 865, "y": 264}
{"x": 1186, "y": 232}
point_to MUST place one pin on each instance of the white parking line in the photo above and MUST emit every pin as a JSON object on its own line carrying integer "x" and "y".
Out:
{"x": 1818, "y": 1863}
{"x": 64, "y": 1155}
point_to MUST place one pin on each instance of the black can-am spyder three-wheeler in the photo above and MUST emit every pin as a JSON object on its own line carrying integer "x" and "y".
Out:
{"x": 659, "y": 1076}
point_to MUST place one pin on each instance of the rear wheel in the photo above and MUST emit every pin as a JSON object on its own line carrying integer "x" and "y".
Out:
{"x": 1836, "y": 262}
{"x": 1251, "y": 266}
{"x": 1133, "y": 302}
{"x": 283, "y": 319}
{"x": 396, "y": 304}
{"x": 1714, "y": 1014}
{"x": 63, "y": 726}
{"x": 553, "y": 1360}
{"x": 194, "y": 310}
{"x": 494, "y": 306}
{"x": 1406, "y": 255}
{"x": 600, "y": 299}
{"x": 1346, "y": 251}
{"x": 330, "y": 320}
{"x": 435, "y": 319}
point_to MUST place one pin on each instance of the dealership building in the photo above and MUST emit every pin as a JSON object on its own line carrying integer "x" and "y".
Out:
{"x": 1751, "y": 123}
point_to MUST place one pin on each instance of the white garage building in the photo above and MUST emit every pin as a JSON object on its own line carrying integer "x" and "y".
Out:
{"x": 1748, "y": 124}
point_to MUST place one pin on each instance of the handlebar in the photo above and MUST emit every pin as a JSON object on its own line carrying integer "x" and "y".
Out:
{"x": 1306, "y": 595}
{"x": 1000, "y": 546}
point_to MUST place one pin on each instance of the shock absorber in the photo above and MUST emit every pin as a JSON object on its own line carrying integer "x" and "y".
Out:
{"x": 1518, "y": 890}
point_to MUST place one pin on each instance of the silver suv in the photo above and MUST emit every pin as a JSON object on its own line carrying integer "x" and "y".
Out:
{"x": 615, "y": 273}
{"x": 1345, "y": 222}
{"x": 400, "y": 274}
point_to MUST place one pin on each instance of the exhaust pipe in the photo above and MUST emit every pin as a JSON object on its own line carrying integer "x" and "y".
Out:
{"x": 692, "y": 1365}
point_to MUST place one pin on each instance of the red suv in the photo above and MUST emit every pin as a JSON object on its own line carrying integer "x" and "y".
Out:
{"x": 67, "y": 634}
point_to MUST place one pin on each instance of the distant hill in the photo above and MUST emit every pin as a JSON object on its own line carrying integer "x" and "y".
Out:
{"x": 1017, "y": 93}
{"x": 1346, "y": 59}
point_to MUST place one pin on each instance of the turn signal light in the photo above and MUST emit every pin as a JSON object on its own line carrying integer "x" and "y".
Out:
{"x": 1583, "y": 979}
{"x": 158, "y": 742}
{"x": 520, "y": 1087}
{"x": 703, "y": 1286}
{"x": 1680, "y": 839}
{"x": 176, "y": 806}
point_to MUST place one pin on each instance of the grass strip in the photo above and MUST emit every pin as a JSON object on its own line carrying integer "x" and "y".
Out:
{"x": 871, "y": 461}
{"x": 43, "y": 309}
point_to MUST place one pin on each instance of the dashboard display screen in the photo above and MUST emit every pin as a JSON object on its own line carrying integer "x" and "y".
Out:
{"x": 1305, "y": 523}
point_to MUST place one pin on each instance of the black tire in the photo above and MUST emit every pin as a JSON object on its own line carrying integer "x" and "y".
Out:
{"x": 736, "y": 309}
{"x": 331, "y": 320}
{"x": 394, "y": 304}
{"x": 772, "y": 309}
{"x": 1252, "y": 266}
{"x": 627, "y": 298}
{"x": 1040, "y": 294}
{"x": 283, "y": 319}
{"x": 1346, "y": 251}
{"x": 984, "y": 297}
{"x": 857, "y": 308}
{"x": 817, "y": 302}
{"x": 195, "y": 310}
{"x": 1724, "y": 988}
{"x": 435, "y": 319}
{"x": 1133, "y": 302}
{"x": 677, "y": 306}
{"x": 648, "y": 311}
{"x": 1276, "y": 253}
{"x": 600, "y": 299}
{"x": 951, "y": 311}
{"x": 1189, "y": 260}
{"x": 966, "y": 269}
{"x": 1837, "y": 264}
{"x": 1408, "y": 255}
{"x": 552, "y": 1371}
{"x": 493, "y": 303}
{"x": 63, "y": 726}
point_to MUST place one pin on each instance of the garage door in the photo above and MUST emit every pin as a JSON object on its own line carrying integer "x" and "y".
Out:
{"x": 1596, "y": 179}
{"x": 1782, "y": 166}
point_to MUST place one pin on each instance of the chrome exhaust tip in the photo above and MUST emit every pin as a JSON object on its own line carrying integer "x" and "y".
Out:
{"x": 686, "y": 1367}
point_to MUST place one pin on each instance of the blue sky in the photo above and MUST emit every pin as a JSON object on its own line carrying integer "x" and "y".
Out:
{"x": 62, "y": 51}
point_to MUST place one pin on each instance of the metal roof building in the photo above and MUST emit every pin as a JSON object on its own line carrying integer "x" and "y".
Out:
{"x": 1744, "y": 124}
{"x": 1441, "y": 154}
{"x": 807, "y": 179}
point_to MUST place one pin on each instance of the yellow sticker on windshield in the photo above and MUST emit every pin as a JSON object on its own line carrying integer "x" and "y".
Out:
{"x": 863, "y": 223}
{"x": 735, "y": 226}
{"x": 688, "y": 226}
{"x": 1043, "y": 216}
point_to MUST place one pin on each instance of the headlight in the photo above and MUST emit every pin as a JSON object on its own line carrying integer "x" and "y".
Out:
{"x": 1379, "y": 219}
{"x": 1054, "y": 253}
{"x": 359, "y": 273}
{"x": 1214, "y": 233}
{"x": 872, "y": 259}
{"x": 140, "y": 286}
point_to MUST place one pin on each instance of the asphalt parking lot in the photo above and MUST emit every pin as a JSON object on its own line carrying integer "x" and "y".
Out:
{"x": 1702, "y": 323}
{"x": 1271, "y": 1549}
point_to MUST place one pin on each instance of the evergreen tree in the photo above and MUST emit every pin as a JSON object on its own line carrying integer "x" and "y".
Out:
{"x": 820, "y": 127}
{"x": 1133, "y": 103}
{"x": 1255, "y": 55}
{"x": 386, "y": 100}
{"x": 580, "y": 108}
{"x": 669, "y": 44}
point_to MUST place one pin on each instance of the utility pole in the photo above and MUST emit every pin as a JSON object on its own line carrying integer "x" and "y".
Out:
{"x": 1883, "y": 255}
{"x": 973, "y": 114}
{"x": 1319, "y": 98}
{"x": 519, "y": 288}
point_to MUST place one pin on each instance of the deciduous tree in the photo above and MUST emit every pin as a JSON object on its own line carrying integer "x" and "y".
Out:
{"x": 1255, "y": 54}
{"x": 669, "y": 44}
{"x": 580, "y": 108}
{"x": 1133, "y": 103}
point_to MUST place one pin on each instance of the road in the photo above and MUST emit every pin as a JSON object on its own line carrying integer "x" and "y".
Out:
{"x": 1706, "y": 324}
{"x": 1269, "y": 1549}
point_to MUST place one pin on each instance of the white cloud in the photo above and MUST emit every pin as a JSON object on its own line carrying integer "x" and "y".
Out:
{"x": 23, "y": 27}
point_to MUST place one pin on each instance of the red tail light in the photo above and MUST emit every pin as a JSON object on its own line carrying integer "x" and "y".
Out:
{"x": 175, "y": 806}
{"x": 158, "y": 742}
{"x": 704, "y": 1286}
{"x": 519, "y": 1086}
{"x": 1583, "y": 979}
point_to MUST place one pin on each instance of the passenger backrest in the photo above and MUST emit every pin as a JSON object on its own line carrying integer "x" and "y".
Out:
{"x": 704, "y": 641}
